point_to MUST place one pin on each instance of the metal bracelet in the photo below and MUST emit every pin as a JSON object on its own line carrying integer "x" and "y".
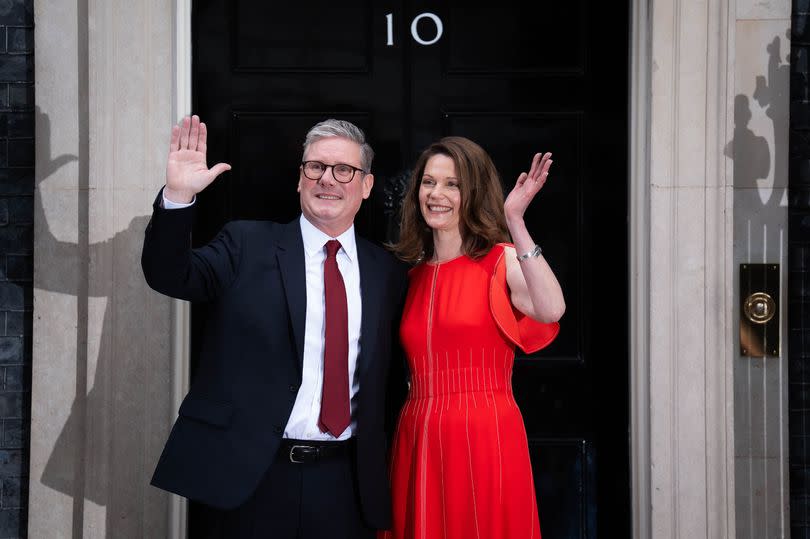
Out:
{"x": 537, "y": 251}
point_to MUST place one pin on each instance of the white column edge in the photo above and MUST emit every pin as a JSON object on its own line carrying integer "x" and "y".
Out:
{"x": 181, "y": 310}
{"x": 639, "y": 265}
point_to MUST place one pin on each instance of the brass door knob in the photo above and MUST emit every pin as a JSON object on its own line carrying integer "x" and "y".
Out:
{"x": 759, "y": 307}
{"x": 759, "y": 310}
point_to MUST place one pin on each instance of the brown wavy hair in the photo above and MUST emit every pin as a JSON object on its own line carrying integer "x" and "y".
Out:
{"x": 481, "y": 220}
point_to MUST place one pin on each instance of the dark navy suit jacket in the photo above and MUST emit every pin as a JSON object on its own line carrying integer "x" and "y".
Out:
{"x": 231, "y": 422}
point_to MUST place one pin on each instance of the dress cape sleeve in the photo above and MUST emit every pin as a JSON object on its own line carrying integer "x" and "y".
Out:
{"x": 523, "y": 331}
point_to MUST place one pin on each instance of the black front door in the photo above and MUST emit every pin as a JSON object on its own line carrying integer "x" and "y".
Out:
{"x": 515, "y": 77}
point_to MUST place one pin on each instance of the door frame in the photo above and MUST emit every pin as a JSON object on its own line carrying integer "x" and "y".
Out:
{"x": 638, "y": 236}
{"x": 638, "y": 264}
{"x": 180, "y": 310}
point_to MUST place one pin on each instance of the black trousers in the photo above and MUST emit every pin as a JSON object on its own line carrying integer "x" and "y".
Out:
{"x": 309, "y": 500}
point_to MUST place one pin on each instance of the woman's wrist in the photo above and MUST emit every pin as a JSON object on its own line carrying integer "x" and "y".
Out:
{"x": 535, "y": 252}
{"x": 514, "y": 221}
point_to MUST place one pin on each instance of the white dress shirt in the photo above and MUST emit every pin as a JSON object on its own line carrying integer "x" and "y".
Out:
{"x": 303, "y": 421}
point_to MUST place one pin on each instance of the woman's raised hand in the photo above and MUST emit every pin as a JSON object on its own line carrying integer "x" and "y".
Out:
{"x": 527, "y": 186}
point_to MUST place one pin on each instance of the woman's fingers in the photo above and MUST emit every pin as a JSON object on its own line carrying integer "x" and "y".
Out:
{"x": 533, "y": 171}
{"x": 542, "y": 171}
{"x": 546, "y": 167}
{"x": 545, "y": 161}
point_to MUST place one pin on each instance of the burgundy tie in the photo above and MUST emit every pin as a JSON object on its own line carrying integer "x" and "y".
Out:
{"x": 335, "y": 413}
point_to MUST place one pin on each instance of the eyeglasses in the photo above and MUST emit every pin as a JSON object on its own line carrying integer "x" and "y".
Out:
{"x": 314, "y": 170}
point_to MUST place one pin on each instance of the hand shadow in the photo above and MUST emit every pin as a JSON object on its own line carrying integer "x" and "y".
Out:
{"x": 99, "y": 453}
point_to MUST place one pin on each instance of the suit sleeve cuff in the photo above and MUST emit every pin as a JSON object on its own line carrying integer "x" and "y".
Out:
{"x": 169, "y": 205}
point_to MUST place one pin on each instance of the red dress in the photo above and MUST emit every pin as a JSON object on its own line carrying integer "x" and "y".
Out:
{"x": 460, "y": 462}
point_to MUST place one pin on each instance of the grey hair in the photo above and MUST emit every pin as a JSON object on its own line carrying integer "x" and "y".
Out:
{"x": 341, "y": 128}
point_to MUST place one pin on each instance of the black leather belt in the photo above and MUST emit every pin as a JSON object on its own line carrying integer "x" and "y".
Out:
{"x": 302, "y": 451}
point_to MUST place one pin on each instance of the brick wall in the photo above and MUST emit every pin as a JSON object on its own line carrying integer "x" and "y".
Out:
{"x": 16, "y": 257}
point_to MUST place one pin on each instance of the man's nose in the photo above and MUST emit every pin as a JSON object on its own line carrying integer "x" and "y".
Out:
{"x": 328, "y": 176}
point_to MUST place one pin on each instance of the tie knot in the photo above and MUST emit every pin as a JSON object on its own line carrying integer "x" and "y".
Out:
{"x": 332, "y": 247}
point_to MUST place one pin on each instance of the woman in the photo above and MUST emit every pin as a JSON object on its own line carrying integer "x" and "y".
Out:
{"x": 460, "y": 462}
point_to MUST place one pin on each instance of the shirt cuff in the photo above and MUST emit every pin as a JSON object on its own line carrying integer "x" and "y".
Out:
{"x": 169, "y": 205}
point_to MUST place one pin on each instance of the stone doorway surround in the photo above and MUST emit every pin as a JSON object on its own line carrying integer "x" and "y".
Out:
{"x": 112, "y": 76}
{"x": 681, "y": 270}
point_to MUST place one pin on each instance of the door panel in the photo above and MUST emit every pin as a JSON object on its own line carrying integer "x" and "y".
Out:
{"x": 516, "y": 38}
{"x": 301, "y": 37}
{"x": 515, "y": 77}
{"x": 570, "y": 511}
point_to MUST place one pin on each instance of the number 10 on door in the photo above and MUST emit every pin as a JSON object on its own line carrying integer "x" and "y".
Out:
{"x": 437, "y": 23}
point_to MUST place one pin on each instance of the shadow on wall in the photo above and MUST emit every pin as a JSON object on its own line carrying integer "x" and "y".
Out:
{"x": 760, "y": 236}
{"x": 751, "y": 152}
{"x": 100, "y": 452}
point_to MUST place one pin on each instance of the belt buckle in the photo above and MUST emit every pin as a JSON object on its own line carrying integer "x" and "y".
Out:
{"x": 308, "y": 449}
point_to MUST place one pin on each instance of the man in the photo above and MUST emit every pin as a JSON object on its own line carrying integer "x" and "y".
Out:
{"x": 282, "y": 432}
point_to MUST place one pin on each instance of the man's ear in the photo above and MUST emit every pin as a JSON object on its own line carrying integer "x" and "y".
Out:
{"x": 368, "y": 183}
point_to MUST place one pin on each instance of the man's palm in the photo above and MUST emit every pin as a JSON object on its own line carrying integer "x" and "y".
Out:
{"x": 187, "y": 171}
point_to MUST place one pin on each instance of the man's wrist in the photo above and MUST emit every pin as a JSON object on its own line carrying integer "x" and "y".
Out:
{"x": 169, "y": 200}
{"x": 178, "y": 197}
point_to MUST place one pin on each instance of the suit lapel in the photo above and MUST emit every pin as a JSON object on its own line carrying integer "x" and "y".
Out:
{"x": 290, "y": 256}
{"x": 371, "y": 281}
{"x": 293, "y": 273}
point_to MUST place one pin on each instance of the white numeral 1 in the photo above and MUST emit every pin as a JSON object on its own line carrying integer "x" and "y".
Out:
{"x": 389, "y": 18}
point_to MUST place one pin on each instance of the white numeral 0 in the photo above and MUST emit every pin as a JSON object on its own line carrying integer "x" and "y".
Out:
{"x": 389, "y": 18}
